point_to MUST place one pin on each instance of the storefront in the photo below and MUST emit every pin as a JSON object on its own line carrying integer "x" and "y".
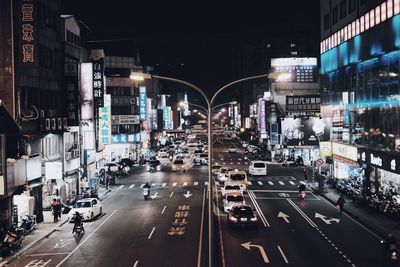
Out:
{"x": 381, "y": 169}
{"x": 344, "y": 160}
{"x": 308, "y": 153}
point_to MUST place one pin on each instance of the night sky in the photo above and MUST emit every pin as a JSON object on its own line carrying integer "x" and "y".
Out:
{"x": 198, "y": 41}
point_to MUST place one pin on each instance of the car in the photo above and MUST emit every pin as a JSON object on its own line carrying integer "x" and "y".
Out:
{"x": 232, "y": 149}
{"x": 242, "y": 215}
{"x": 127, "y": 162}
{"x": 244, "y": 144}
{"x": 252, "y": 149}
{"x": 178, "y": 165}
{"x": 88, "y": 208}
{"x": 163, "y": 153}
{"x": 203, "y": 158}
{"x": 238, "y": 177}
{"x": 233, "y": 199}
{"x": 216, "y": 169}
{"x": 222, "y": 176}
{"x": 227, "y": 188}
{"x": 258, "y": 168}
{"x": 154, "y": 165}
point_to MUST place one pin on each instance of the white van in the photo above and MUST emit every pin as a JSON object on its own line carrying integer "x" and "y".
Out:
{"x": 258, "y": 168}
{"x": 239, "y": 178}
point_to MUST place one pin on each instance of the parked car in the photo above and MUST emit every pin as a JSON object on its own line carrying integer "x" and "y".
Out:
{"x": 88, "y": 208}
{"x": 178, "y": 165}
{"x": 228, "y": 188}
{"x": 258, "y": 168}
{"x": 242, "y": 215}
{"x": 233, "y": 199}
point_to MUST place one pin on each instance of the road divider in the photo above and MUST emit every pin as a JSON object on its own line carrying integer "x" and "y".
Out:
{"x": 258, "y": 209}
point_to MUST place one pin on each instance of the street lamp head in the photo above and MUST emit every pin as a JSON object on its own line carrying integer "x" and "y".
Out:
{"x": 194, "y": 110}
{"x": 223, "y": 109}
{"x": 139, "y": 76}
{"x": 181, "y": 103}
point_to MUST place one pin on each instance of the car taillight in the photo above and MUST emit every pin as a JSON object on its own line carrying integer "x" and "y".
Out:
{"x": 254, "y": 219}
{"x": 233, "y": 219}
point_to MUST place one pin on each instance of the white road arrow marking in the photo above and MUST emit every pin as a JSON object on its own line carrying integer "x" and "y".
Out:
{"x": 248, "y": 246}
{"x": 154, "y": 196}
{"x": 270, "y": 183}
{"x": 187, "y": 195}
{"x": 130, "y": 187}
{"x": 284, "y": 216}
{"x": 325, "y": 219}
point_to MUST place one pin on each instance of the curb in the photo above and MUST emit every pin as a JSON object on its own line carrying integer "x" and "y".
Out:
{"x": 367, "y": 225}
{"x": 25, "y": 248}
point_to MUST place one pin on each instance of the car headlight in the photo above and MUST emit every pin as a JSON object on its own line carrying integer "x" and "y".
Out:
{"x": 158, "y": 168}
{"x": 148, "y": 168}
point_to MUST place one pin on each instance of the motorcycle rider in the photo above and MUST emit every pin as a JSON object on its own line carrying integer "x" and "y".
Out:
{"x": 302, "y": 187}
{"x": 78, "y": 222}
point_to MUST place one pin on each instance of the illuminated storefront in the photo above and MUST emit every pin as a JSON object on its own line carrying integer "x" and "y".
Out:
{"x": 344, "y": 160}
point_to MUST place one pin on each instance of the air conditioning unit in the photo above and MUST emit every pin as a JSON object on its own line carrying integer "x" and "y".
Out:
{"x": 59, "y": 123}
{"x": 76, "y": 153}
{"x": 68, "y": 155}
{"x": 47, "y": 125}
{"x": 53, "y": 124}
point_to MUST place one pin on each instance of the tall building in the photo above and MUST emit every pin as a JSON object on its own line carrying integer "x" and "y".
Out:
{"x": 360, "y": 92}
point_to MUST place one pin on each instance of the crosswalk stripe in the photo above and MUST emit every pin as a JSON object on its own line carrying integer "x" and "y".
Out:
{"x": 281, "y": 183}
{"x": 302, "y": 182}
{"x": 164, "y": 185}
{"x": 196, "y": 183}
{"x": 141, "y": 185}
{"x": 231, "y": 163}
{"x": 185, "y": 184}
{"x": 205, "y": 183}
{"x": 120, "y": 186}
{"x": 249, "y": 183}
{"x": 270, "y": 183}
{"x": 238, "y": 163}
{"x": 246, "y": 163}
{"x": 132, "y": 186}
{"x": 153, "y": 184}
{"x": 260, "y": 183}
{"x": 292, "y": 183}
{"x": 174, "y": 184}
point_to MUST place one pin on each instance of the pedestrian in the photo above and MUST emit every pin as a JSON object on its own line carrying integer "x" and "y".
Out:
{"x": 54, "y": 205}
{"x": 305, "y": 174}
{"x": 340, "y": 203}
{"x": 59, "y": 208}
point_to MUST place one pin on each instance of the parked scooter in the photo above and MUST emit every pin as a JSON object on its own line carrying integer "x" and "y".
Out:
{"x": 12, "y": 241}
{"x": 28, "y": 224}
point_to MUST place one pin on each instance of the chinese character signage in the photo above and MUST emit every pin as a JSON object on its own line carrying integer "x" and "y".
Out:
{"x": 98, "y": 83}
{"x": 154, "y": 120}
{"x": 142, "y": 103}
{"x": 105, "y": 121}
{"x": 302, "y": 70}
{"x": 262, "y": 127}
{"x": 124, "y": 138}
{"x": 305, "y": 103}
{"x": 27, "y": 33}
{"x": 166, "y": 117}
{"x": 86, "y": 91}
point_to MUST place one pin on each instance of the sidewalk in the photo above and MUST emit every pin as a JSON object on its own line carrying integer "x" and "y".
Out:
{"x": 376, "y": 222}
{"x": 44, "y": 230}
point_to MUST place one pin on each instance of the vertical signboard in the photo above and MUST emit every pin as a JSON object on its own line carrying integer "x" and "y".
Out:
{"x": 261, "y": 118}
{"x": 2, "y": 165}
{"x": 171, "y": 118}
{"x": 142, "y": 103}
{"x": 86, "y": 91}
{"x": 105, "y": 121}
{"x": 166, "y": 118}
{"x": 98, "y": 83}
{"x": 27, "y": 33}
{"x": 154, "y": 120}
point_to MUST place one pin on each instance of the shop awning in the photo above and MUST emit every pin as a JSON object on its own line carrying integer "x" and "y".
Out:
{"x": 7, "y": 123}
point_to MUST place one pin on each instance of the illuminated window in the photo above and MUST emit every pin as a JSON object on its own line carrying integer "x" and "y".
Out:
{"x": 389, "y": 8}
{"x": 342, "y": 33}
{"x": 377, "y": 15}
{"x": 367, "y": 21}
{"x": 357, "y": 27}
{"x": 345, "y": 33}
{"x": 383, "y": 12}
{"x": 396, "y": 7}
{"x": 335, "y": 39}
{"x": 349, "y": 31}
{"x": 322, "y": 47}
{"x": 353, "y": 29}
{"x": 372, "y": 18}
{"x": 362, "y": 25}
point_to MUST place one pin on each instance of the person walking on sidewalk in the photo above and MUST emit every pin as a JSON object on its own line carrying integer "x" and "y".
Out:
{"x": 305, "y": 174}
{"x": 54, "y": 206}
{"x": 340, "y": 203}
{"x": 59, "y": 208}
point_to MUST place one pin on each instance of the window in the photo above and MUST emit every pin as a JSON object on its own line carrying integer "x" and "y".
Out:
{"x": 353, "y": 29}
{"x": 362, "y": 25}
{"x": 372, "y": 18}
{"x": 396, "y": 7}
{"x": 377, "y": 15}
{"x": 383, "y": 12}
{"x": 334, "y": 15}
{"x": 352, "y": 5}
{"x": 389, "y": 8}
{"x": 346, "y": 36}
{"x": 343, "y": 10}
{"x": 357, "y": 27}
{"x": 367, "y": 21}
{"x": 326, "y": 22}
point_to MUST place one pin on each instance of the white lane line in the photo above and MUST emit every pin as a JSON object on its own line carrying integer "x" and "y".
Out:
{"x": 164, "y": 184}
{"x": 205, "y": 183}
{"x": 281, "y": 183}
{"x": 152, "y": 231}
{"x": 283, "y": 254}
{"x": 141, "y": 186}
{"x": 260, "y": 183}
{"x": 185, "y": 184}
{"x": 86, "y": 239}
{"x": 131, "y": 186}
{"x": 171, "y": 194}
{"x": 259, "y": 211}
{"x": 201, "y": 230}
{"x": 302, "y": 213}
{"x": 270, "y": 183}
{"x": 292, "y": 183}
{"x": 162, "y": 212}
{"x": 136, "y": 263}
{"x": 174, "y": 184}
{"x": 196, "y": 183}
{"x": 153, "y": 184}
{"x": 47, "y": 254}
{"x": 249, "y": 183}
{"x": 120, "y": 187}
{"x": 221, "y": 240}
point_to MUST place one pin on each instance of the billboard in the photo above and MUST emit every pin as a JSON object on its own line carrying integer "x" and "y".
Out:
{"x": 86, "y": 91}
{"x": 302, "y": 131}
{"x": 262, "y": 126}
{"x": 142, "y": 103}
{"x": 26, "y": 29}
{"x": 303, "y": 105}
{"x": 166, "y": 117}
{"x": 98, "y": 82}
{"x": 105, "y": 121}
{"x": 301, "y": 70}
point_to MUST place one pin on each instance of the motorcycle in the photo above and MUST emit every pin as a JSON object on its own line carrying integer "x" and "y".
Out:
{"x": 78, "y": 230}
{"x": 12, "y": 241}
{"x": 28, "y": 224}
{"x": 146, "y": 193}
{"x": 391, "y": 253}
{"x": 303, "y": 195}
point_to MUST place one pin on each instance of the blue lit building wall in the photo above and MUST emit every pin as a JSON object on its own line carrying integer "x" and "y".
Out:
{"x": 366, "y": 69}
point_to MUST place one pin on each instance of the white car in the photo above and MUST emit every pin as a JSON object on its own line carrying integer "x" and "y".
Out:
{"x": 88, "y": 208}
{"x": 222, "y": 176}
{"x": 178, "y": 165}
{"x": 232, "y": 149}
{"x": 258, "y": 168}
{"x": 163, "y": 153}
{"x": 233, "y": 199}
{"x": 229, "y": 188}
{"x": 216, "y": 169}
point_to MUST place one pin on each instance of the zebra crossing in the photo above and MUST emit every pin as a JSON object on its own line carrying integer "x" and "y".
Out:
{"x": 252, "y": 183}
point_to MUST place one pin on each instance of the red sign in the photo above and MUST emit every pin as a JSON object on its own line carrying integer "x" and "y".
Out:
{"x": 27, "y": 33}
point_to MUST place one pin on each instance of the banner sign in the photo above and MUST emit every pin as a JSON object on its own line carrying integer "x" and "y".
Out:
{"x": 154, "y": 120}
{"x": 381, "y": 160}
{"x": 166, "y": 118}
{"x": 302, "y": 70}
{"x": 105, "y": 121}
{"x": 27, "y": 33}
{"x": 142, "y": 103}
{"x": 86, "y": 91}
{"x": 344, "y": 151}
{"x": 262, "y": 127}
{"x": 325, "y": 149}
{"x": 125, "y": 138}
{"x": 303, "y": 103}
{"x": 125, "y": 119}
{"x": 305, "y": 132}
{"x": 98, "y": 83}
